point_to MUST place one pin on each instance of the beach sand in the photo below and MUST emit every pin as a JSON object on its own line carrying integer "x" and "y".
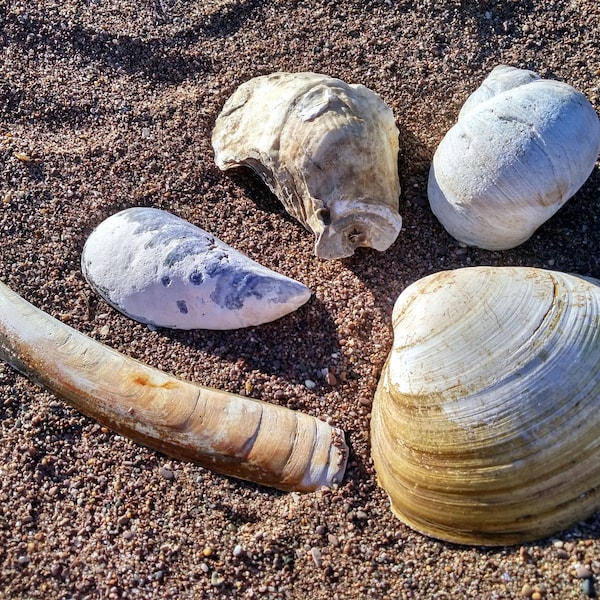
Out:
{"x": 106, "y": 105}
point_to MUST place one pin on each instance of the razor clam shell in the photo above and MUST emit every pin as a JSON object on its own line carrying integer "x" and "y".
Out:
{"x": 326, "y": 149}
{"x": 230, "y": 434}
{"x": 161, "y": 270}
{"x": 486, "y": 421}
{"x": 522, "y": 146}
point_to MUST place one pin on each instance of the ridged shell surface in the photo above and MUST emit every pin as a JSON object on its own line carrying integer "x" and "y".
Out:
{"x": 486, "y": 421}
{"x": 235, "y": 435}
{"x": 327, "y": 150}
{"x": 521, "y": 148}
{"x": 161, "y": 270}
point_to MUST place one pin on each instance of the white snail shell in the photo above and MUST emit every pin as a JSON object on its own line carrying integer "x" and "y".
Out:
{"x": 161, "y": 270}
{"x": 521, "y": 148}
{"x": 256, "y": 441}
{"x": 486, "y": 420}
{"x": 326, "y": 149}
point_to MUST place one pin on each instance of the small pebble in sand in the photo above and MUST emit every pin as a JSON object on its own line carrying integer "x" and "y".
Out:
{"x": 582, "y": 572}
{"x": 316, "y": 556}
{"x": 526, "y": 591}
{"x": 166, "y": 473}
{"x": 587, "y": 587}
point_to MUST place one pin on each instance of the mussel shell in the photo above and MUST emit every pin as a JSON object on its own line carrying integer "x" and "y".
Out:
{"x": 486, "y": 421}
{"x": 161, "y": 270}
{"x": 521, "y": 148}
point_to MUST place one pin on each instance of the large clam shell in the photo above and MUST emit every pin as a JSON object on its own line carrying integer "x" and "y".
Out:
{"x": 161, "y": 270}
{"x": 521, "y": 148}
{"x": 486, "y": 420}
{"x": 230, "y": 434}
{"x": 327, "y": 150}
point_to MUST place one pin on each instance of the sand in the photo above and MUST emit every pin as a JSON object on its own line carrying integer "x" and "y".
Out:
{"x": 106, "y": 105}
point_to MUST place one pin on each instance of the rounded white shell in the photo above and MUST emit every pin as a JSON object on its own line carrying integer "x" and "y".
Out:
{"x": 486, "y": 421}
{"x": 326, "y": 149}
{"x": 161, "y": 270}
{"x": 521, "y": 148}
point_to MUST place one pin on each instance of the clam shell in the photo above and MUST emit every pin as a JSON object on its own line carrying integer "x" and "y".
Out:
{"x": 326, "y": 149}
{"x": 486, "y": 421}
{"x": 161, "y": 270}
{"x": 237, "y": 436}
{"x": 521, "y": 148}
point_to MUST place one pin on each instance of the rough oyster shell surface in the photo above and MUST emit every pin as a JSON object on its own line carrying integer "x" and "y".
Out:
{"x": 328, "y": 150}
{"x": 486, "y": 421}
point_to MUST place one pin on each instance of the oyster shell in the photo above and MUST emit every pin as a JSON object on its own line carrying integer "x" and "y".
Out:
{"x": 326, "y": 149}
{"x": 486, "y": 421}
{"x": 521, "y": 148}
{"x": 161, "y": 270}
{"x": 237, "y": 436}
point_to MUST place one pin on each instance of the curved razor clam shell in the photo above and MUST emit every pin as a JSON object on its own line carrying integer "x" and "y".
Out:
{"x": 485, "y": 426}
{"x": 522, "y": 146}
{"x": 233, "y": 435}
{"x": 161, "y": 270}
{"x": 326, "y": 149}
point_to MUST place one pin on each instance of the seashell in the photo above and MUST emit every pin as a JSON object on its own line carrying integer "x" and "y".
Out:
{"x": 521, "y": 148}
{"x": 486, "y": 420}
{"x": 161, "y": 270}
{"x": 233, "y": 435}
{"x": 326, "y": 149}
